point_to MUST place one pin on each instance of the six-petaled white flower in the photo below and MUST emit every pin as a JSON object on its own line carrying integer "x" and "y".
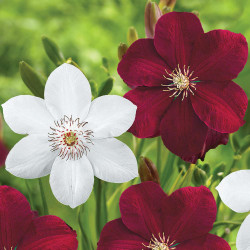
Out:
{"x": 70, "y": 137}
{"x": 234, "y": 191}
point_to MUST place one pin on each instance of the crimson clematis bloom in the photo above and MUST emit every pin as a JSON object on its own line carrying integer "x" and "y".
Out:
{"x": 182, "y": 85}
{"x": 21, "y": 229}
{"x": 152, "y": 220}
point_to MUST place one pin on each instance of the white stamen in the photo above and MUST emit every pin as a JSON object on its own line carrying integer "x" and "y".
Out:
{"x": 161, "y": 243}
{"x": 181, "y": 82}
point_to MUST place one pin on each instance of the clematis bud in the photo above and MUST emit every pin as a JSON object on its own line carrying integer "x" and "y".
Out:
{"x": 53, "y": 51}
{"x": 132, "y": 35}
{"x": 148, "y": 171}
{"x": 152, "y": 14}
{"x": 167, "y": 3}
{"x": 196, "y": 13}
{"x": 106, "y": 87}
{"x": 32, "y": 79}
{"x": 199, "y": 177}
{"x": 122, "y": 49}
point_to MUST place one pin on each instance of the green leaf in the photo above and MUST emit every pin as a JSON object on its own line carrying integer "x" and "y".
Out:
{"x": 94, "y": 88}
{"x": 106, "y": 87}
{"x": 105, "y": 65}
{"x": 32, "y": 79}
{"x": 53, "y": 51}
{"x": 245, "y": 145}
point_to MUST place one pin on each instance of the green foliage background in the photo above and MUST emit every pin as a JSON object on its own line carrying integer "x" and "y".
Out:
{"x": 87, "y": 31}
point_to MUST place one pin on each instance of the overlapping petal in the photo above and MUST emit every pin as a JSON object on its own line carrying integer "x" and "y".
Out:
{"x": 234, "y": 191}
{"x": 175, "y": 34}
{"x": 219, "y": 55}
{"x": 141, "y": 209}
{"x": 31, "y": 157}
{"x": 182, "y": 132}
{"x": 115, "y": 235}
{"x": 206, "y": 242}
{"x": 142, "y": 66}
{"x": 15, "y": 217}
{"x": 72, "y": 181}
{"x": 151, "y": 104}
{"x": 112, "y": 160}
{"x": 110, "y": 116}
{"x": 27, "y": 115}
{"x": 49, "y": 232}
{"x": 243, "y": 239}
{"x": 189, "y": 213}
{"x": 67, "y": 92}
{"x": 221, "y": 105}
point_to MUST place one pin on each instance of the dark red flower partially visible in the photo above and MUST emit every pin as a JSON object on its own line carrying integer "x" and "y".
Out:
{"x": 152, "y": 220}
{"x": 182, "y": 85}
{"x": 21, "y": 229}
{"x": 3, "y": 149}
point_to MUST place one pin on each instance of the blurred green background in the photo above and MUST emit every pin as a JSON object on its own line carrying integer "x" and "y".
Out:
{"x": 87, "y": 31}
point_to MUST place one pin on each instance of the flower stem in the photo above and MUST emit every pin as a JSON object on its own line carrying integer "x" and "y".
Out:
{"x": 45, "y": 206}
{"x": 228, "y": 222}
{"x": 29, "y": 195}
{"x": 83, "y": 239}
{"x": 101, "y": 207}
{"x": 159, "y": 154}
{"x": 139, "y": 149}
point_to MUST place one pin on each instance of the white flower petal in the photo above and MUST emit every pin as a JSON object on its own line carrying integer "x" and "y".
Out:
{"x": 72, "y": 181}
{"x": 27, "y": 114}
{"x": 112, "y": 160}
{"x": 110, "y": 116}
{"x": 67, "y": 92}
{"x": 30, "y": 157}
{"x": 234, "y": 191}
{"x": 243, "y": 237}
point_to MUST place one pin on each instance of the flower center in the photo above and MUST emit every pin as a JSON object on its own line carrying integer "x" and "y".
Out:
{"x": 70, "y": 138}
{"x": 161, "y": 243}
{"x": 181, "y": 82}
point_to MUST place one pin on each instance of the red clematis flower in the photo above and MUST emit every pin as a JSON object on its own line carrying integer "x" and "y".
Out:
{"x": 20, "y": 229}
{"x": 152, "y": 220}
{"x": 182, "y": 85}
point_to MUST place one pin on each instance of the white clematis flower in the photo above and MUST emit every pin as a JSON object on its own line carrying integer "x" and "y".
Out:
{"x": 70, "y": 137}
{"x": 234, "y": 191}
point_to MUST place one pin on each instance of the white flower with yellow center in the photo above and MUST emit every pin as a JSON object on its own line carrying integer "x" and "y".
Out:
{"x": 70, "y": 137}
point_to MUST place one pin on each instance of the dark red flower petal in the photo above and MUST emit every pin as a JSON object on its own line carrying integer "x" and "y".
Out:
{"x": 141, "y": 65}
{"x": 3, "y": 153}
{"x": 189, "y": 213}
{"x": 15, "y": 217}
{"x": 116, "y": 236}
{"x": 140, "y": 207}
{"x": 220, "y": 105}
{"x": 182, "y": 132}
{"x": 207, "y": 242}
{"x": 175, "y": 34}
{"x": 213, "y": 139}
{"x": 151, "y": 105}
{"x": 49, "y": 232}
{"x": 219, "y": 55}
